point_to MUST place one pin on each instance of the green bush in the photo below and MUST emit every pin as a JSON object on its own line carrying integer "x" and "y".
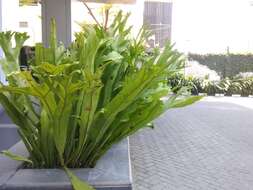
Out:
{"x": 74, "y": 104}
{"x": 246, "y": 86}
{"x": 178, "y": 80}
{"x": 226, "y": 65}
{"x": 228, "y": 87}
{"x": 210, "y": 87}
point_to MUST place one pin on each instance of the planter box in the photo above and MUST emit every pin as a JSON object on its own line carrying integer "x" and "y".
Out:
{"x": 112, "y": 172}
{"x": 8, "y": 132}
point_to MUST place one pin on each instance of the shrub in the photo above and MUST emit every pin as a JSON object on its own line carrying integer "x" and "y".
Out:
{"x": 210, "y": 87}
{"x": 197, "y": 85}
{"x": 246, "y": 86}
{"x": 228, "y": 87}
{"x": 226, "y": 65}
{"x": 178, "y": 80}
{"x": 73, "y": 104}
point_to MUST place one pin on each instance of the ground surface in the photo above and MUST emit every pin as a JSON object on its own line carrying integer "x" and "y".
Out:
{"x": 207, "y": 146}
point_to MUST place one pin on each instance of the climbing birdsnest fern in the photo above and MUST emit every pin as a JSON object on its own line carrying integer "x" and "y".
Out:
{"x": 73, "y": 104}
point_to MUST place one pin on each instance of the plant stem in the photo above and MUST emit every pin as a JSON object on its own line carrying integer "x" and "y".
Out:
{"x": 106, "y": 18}
{"x": 91, "y": 13}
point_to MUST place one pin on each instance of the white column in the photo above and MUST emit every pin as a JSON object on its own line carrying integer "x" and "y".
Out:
{"x": 61, "y": 11}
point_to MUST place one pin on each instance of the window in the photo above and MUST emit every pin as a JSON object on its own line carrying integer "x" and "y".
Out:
{"x": 158, "y": 17}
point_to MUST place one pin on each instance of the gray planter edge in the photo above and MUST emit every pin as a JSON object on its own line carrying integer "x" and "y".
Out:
{"x": 112, "y": 172}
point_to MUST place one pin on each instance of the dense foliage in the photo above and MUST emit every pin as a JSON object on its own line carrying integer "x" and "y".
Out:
{"x": 228, "y": 87}
{"x": 73, "y": 104}
{"x": 178, "y": 80}
{"x": 226, "y": 65}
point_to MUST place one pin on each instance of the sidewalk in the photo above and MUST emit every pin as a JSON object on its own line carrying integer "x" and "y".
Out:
{"x": 206, "y": 146}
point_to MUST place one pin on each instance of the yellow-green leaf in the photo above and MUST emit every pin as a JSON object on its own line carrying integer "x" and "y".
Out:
{"x": 16, "y": 157}
{"x": 76, "y": 182}
{"x": 185, "y": 101}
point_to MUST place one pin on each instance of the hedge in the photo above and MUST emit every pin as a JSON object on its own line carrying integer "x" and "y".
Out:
{"x": 226, "y": 86}
{"x": 226, "y": 65}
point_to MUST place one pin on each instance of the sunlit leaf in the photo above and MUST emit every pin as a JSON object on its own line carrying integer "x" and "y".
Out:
{"x": 16, "y": 157}
{"x": 76, "y": 182}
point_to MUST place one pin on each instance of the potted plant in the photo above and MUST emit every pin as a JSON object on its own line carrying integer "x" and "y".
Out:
{"x": 72, "y": 105}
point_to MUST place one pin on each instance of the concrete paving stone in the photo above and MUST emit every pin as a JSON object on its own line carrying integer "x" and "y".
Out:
{"x": 206, "y": 146}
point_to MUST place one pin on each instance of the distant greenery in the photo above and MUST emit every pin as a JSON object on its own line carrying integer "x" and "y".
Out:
{"x": 226, "y": 65}
{"x": 228, "y": 87}
{"x": 178, "y": 80}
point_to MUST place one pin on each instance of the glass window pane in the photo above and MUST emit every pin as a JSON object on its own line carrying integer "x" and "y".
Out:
{"x": 158, "y": 16}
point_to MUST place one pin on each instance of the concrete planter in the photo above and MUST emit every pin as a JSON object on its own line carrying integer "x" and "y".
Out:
{"x": 112, "y": 172}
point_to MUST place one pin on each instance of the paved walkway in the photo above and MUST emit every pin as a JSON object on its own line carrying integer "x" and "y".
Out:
{"x": 207, "y": 146}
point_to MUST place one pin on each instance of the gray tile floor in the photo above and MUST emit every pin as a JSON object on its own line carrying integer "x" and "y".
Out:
{"x": 206, "y": 146}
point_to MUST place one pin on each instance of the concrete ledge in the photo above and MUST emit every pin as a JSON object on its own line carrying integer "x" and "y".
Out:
{"x": 112, "y": 172}
{"x": 9, "y": 167}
